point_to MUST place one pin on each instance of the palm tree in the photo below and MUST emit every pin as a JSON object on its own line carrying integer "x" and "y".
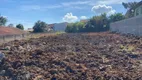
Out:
{"x": 130, "y": 7}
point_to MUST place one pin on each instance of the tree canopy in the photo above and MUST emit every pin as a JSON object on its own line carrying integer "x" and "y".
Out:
{"x": 116, "y": 17}
{"x": 20, "y": 26}
{"x": 130, "y": 8}
{"x": 40, "y": 26}
{"x": 3, "y": 20}
{"x": 95, "y": 24}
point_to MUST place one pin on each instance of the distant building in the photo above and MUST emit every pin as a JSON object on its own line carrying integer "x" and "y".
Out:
{"x": 50, "y": 27}
{"x": 10, "y": 31}
{"x": 134, "y": 11}
{"x": 85, "y": 20}
{"x": 138, "y": 9}
{"x": 30, "y": 30}
{"x": 60, "y": 26}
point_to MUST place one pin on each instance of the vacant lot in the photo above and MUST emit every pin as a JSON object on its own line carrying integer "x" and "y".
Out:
{"x": 93, "y": 56}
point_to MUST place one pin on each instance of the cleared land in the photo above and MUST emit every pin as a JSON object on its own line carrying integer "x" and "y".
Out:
{"x": 87, "y": 56}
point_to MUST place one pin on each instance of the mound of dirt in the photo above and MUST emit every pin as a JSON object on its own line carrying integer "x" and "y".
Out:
{"x": 93, "y": 56}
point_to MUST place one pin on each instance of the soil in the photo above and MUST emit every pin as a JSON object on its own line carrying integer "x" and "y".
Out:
{"x": 86, "y": 56}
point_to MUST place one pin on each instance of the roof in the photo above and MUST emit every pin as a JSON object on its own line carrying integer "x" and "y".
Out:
{"x": 85, "y": 20}
{"x": 51, "y": 25}
{"x": 10, "y": 31}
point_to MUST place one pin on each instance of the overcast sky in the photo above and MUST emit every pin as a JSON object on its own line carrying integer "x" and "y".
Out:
{"x": 27, "y": 12}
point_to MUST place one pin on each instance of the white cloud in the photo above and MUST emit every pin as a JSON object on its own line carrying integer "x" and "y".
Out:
{"x": 100, "y": 9}
{"x": 93, "y": 2}
{"x": 38, "y": 7}
{"x": 108, "y": 2}
{"x": 75, "y": 3}
{"x": 30, "y": 7}
{"x": 69, "y": 17}
{"x": 83, "y": 17}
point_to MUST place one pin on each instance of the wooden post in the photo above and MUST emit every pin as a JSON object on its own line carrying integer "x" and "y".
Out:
{"x": 3, "y": 38}
{"x": 14, "y": 37}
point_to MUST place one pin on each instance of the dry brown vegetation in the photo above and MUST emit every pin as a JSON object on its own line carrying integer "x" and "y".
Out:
{"x": 86, "y": 56}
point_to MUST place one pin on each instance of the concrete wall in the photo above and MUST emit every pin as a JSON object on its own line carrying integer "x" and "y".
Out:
{"x": 60, "y": 26}
{"x": 7, "y": 38}
{"x": 128, "y": 26}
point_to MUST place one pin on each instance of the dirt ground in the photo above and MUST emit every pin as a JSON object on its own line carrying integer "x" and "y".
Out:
{"x": 86, "y": 56}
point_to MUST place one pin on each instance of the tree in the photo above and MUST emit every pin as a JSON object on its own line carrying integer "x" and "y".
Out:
{"x": 3, "y": 20}
{"x": 10, "y": 25}
{"x": 20, "y": 26}
{"x": 75, "y": 27}
{"x": 69, "y": 28}
{"x": 116, "y": 17}
{"x": 97, "y": 24}
{"x": 40, "y": 26}
{"x": 130, "y": 6}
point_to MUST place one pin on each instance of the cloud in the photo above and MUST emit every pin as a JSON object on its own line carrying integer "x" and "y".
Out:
{"x": 75, "y": 3}
{"x": 93, "y": 2}
{"x": 100, "y": 9}
{"x": 109, "y": 2}
{"x": 69, "y": 17}
{"x": 30, "y": 7}
{"x": 38, "y": 7}
{"x": 83, "y": 17}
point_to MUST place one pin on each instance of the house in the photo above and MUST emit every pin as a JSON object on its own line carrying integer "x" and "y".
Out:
{"x": 10, "y": 31}
{"x": 60, "y": 26}
{"x": 84, "y": 20}
{"x": 30, "y": 30}
{"x": 50, "y": 27}
{"x": 138, "y": 9}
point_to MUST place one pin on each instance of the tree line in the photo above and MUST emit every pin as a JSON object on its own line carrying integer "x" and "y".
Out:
{"x": 39, "y": 26}
{"x": 95, "y": 24}
{"x": 4, "y": 20}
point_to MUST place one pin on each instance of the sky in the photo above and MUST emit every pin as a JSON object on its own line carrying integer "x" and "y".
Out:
{"x": 27, "y": 12}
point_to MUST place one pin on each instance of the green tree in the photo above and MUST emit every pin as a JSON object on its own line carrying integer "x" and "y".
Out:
{"x": 40, "y": 26}
{"x": 69, "y": 28}
{"x": 116, "y": 17}
{"x": 20, "y": 26}
{"x": 3, "y": 20}
{"x": 98, "y": 24}
{"x": 95, "y": 24}
{"x": 75, "y": 27}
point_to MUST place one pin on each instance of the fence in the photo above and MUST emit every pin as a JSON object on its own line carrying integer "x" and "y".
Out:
{"x": 7, "y": 38}
{"x": 128, "y": 26}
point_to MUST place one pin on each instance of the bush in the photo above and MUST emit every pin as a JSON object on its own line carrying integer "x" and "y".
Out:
{"x": 20, "y": 26}
{"x": 3, "y": 20}
{"x": 40, "y": 26}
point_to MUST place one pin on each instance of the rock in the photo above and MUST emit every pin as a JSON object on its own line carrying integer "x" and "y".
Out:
{"x": 2, "y": 56}
{"x": 2, "y": 73}
{"x": 8, "y": 48}
{"x": 23, "y": 76}
{"x": 53, "y": 78}
{"x": 69, "y": 69}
